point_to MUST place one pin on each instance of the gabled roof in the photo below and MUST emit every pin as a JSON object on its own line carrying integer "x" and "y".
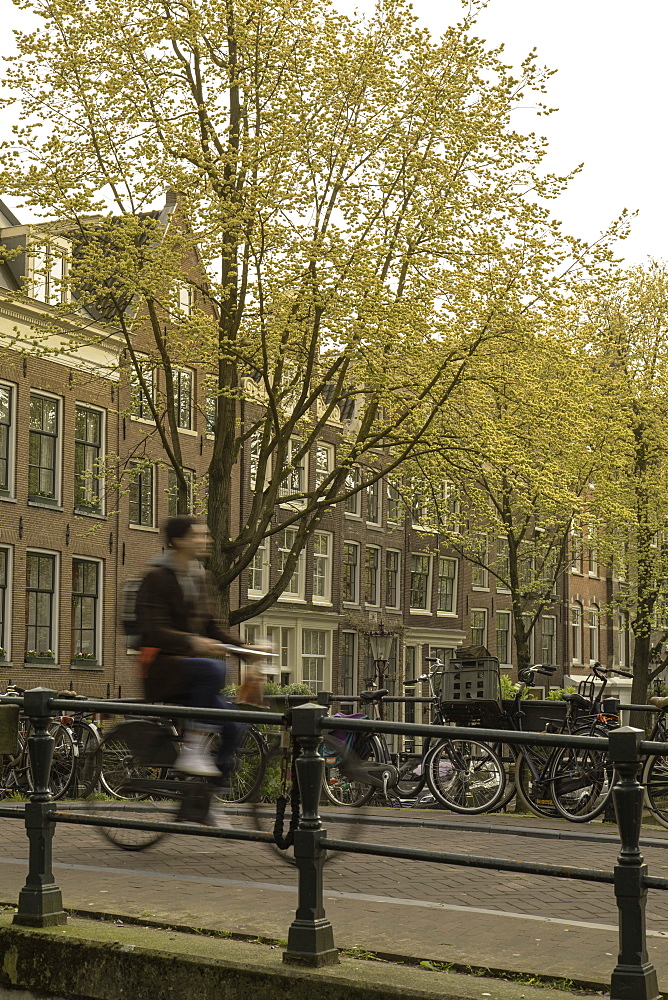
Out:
{"x": 7, "y": 217}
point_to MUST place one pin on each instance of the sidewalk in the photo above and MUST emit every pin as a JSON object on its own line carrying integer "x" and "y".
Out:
{"x": 439, "y": 914}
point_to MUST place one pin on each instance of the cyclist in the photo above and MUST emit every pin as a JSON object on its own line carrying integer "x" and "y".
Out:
{"x": 181, "y": 643}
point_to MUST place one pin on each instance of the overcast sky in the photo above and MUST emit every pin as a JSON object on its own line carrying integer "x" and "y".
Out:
{"x": 610, "y": 89}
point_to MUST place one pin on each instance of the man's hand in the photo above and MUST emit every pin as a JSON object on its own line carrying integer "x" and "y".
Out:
{"x": 202, "y": 646}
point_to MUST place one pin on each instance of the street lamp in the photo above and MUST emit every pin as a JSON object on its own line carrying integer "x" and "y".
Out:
{"x": 381, "y": 650}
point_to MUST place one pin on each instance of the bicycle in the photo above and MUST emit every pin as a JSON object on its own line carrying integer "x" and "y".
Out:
{"x": 16, "y": 771}
{"x": 655, "y": 769}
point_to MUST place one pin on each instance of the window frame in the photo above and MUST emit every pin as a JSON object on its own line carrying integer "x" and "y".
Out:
{"x": 506, "y": 615}
{"x": 352, "y": 507}
{"x": 8, "y": 491}
{"x": 139, "y": 408}
{"x": 415, "y": 608}
{"x": 326, "y": 657}
{"x": 145, "y": 468}
{"x": 594, "y": 629}
{"x": 172, "y": 491}
{"x": 397, "y": 578}
{"x": 285, "y": 489}
{"x": 377, "y": 570}
{"x": 325, "y": 598}
{"x": 97, "y": 477}
{"x": 261, "y": 553}
{"x": 6, "y": 594}
{"x": 452, "y": 613}
{"x": 45, "y": 252}
{"x": 348, "y": 682}
{"x": 283, "y": 550}
{"x": 576, "y": 626}
{"x": 373, "y": 491}
{"x": 476, "y": 567}
{"x": 178, "y": 375}
{"x": 483, "y": 612}
{"x": 53, "y": 603}
{"x": 319, "y": 474}
{"x": 351, "y": 545}
{"x": 553, "y": 639}
{"x": 98, "y": 599}
{"x": 57, "y": 438}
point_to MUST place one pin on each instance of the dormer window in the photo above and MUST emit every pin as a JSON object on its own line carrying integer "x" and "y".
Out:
{"x": 49, "y": 270}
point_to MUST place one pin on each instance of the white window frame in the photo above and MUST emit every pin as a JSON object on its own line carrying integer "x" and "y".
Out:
{"x": 502, "y": 540}
{"x": 6, "y": 600}
{"x": 283, "y": 551}
{"x": 103, "y": 452}
{"x": 577, "y": 551}
{"x": 430, "y": 564}
{"x": 379, "y": 576}
{"x": 622, "y": 629}
{"x": 45, "y": 252}
{"x": 592, "y": 557}
{"x": 398, "y": 581}
{"x": 483, "y": 612}
{"x": 392, "y": 497}
{"x": 327, "y": 559}
{"x": 11, "y": 440}
{"x": 353, "y": 676}
{"x": 177, "y": 374}
{"x": 286, "y": 487}
{"x": 326, "y": 656}
{"x": 172, "y": 490}
{"x": 320, "y": 474}
{"x": 375, "y": 487}
{"x": 476, "y": 568}
{"x": 58, "y": 452}
{"x": 455, "y": 581}
{"x": 576, "y": 616}
{"x": 98, "y": 608}
{"x": 355, "y": 598}
{"x": 183, "y": 299}
{"x": 531, "y": 638}
{"x": 552, "y": 636}
{"x": 259, "y": 565}
{"x": 55, "y": 606}
{"x": 138, "y": 401}
{"x": 594, "y": 629}
{"x": 352, "y": 507}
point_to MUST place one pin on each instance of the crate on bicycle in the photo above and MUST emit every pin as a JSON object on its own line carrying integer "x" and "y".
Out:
{"x": 470, "y": 687}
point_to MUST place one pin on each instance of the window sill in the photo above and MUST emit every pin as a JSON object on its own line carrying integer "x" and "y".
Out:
{"x": 353, "y": 517}
{"x": 576, "y": 572}
{"x": 44, "y": 503}
{"x": 447, "y": 614}
{"x": 503, "y": 590}
{"x": 187, "y": 430}
{"x": 7, "y": 663}
{"x": 7, "y": 497}
{"x": 351, "y": 604}
{"x": 79, "y": 665}
{"x": 394, "y": 608}
{"x": 374, "y": 525}
{"x": 42, "y": 665}
{"x": 480, "y": 590}
{"x": 142, "y": 420}
{"x": 82, "y": 512}
{"x": 320, "y": 602}
{"x": 143, "y": 527}
{"x": 419, "y": 611}
{"x": 290, "y": 598}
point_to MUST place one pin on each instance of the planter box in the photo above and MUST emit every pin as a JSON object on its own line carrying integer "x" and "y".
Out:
{"x": 536, "y": 712}
{"x": 40, "y": 659}
{"x": 81, "y": 661}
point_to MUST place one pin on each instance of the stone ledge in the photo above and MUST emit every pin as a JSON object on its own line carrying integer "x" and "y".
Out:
{"x": 91, "y": 960}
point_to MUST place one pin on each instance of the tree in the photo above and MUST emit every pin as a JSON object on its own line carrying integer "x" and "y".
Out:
{"x": 525, "y": 443}
{"x": 626, "y": 323}
{"x": 355, "y": 209}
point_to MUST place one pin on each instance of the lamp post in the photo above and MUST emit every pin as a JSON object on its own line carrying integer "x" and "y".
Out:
{"x": 381, "y": 649}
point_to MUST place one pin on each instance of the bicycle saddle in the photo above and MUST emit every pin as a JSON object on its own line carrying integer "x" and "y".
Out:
{"x": 577, "y": 699}
{"x": 660, "y": 703}
{"x": 373, "y": 695}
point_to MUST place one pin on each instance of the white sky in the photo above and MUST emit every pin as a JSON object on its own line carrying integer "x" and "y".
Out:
{"x": 610, "y": 91}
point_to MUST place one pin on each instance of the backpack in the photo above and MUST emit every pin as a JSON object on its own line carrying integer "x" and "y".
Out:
{"x": 129, "y": 611}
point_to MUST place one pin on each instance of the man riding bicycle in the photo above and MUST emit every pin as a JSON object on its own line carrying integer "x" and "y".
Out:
{"x": 181, "y": 642}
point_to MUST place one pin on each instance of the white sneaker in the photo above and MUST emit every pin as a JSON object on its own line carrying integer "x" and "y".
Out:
{"x": 217, "y": 819}
{"x": 193, "y": 760}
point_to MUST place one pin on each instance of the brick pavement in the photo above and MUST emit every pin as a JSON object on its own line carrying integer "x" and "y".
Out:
{"x": 471, "y": 916}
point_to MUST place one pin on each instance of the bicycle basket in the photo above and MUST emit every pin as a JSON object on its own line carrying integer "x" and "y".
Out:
{"x": 470, "y": 690}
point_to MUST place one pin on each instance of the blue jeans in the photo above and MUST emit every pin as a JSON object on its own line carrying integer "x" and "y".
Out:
{"x": 205, "y": 678}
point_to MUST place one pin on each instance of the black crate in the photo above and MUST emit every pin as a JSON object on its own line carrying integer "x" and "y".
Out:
{"x": 472, "y": 680}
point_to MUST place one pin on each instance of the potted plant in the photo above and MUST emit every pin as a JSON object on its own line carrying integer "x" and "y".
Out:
{"x": 40, "y": 656}
{"x": 84, "y": 658}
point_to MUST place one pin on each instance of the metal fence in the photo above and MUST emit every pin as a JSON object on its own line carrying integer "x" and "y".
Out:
{"x": 310, "y": 936}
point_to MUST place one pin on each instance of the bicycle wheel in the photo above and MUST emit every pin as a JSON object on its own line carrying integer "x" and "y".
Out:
{"x": 119, "y": 763}
{"x": 13, "y": 771}
{"x": 340, "y": 784}
{"x": 508, "y": 757}
{"x": 581, "y": 780}
{"x": 465, "y": 776}
{"x": 655, "y": 780}
{"x": 535, "y": 794}
{"x": 87, "y": 775}
{"x": 63, "y": 762}
{"x": 412, "y": 778}
{"x": 250, "y": 765}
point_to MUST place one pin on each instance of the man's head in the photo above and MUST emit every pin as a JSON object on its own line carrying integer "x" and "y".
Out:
{"x": 187, "y": 536}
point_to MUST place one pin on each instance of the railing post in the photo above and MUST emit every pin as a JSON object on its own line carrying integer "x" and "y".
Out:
{"x": 310, "y": 938}
{"x": 634, "y": 977}
{"x": 40, "y": 900}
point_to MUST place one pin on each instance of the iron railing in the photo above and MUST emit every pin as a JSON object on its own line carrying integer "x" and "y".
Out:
{"x": 310, "y": 936}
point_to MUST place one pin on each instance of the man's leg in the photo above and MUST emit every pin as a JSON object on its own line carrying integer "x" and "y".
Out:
{"x": 204, "y": 680}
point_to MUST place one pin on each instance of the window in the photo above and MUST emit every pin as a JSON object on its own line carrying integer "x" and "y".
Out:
{"x": 210, "y": 412}
{"x": 141, "y": 494}
{"x": 173, "y": 492}
{"x": 43, "y": 452}
{"x": 452, "y": 508}
{"x": 420, "y": 572}
{"x": 371, "y": 575}
{"x": 258, "y": 569}
{"x": 548, "y": 636}
{"x": 503, "y": 637}
{"x": 418, "y": 509}
{"x": 479, "y": 574}
{"x": 447, "y": 585}
{"x": 49, "y": 268}
{"x": 286, "y": 541}
{"x": 393, "y": 503}
{"x": 622, "y": 639}
{"x": 478, "y": 627}
{"x": 85, "y": 607}
{"x": 373, "y": 503}
{"x": 183, "y": 398}
{"x": 324, "y": 463}
{"x": 410, "y": 674}
{"x": 139, "y": 396}
{"x": 576, "y": 633}
{"x": 353, "y": 504}
{"x": 348, "y": 663}
{"x": 502, "y": 563}
{"x": 184, "y": 299}
{"x": 392, "y": 579}
{"x": 314, "y": 658}
{"x": 322, "y": 566}
{"x": 6, "y": 438}
{"x": 282, "y": 639}
{"x": 592, "y": 555}
{"x": 593, "y": 634}
{"x": 87, "y": 459}
{"x": 254, "y": 446}
{"x": 350, "y": 578}
{"x": 41, "y": 600}
{"x": 5, "y": 616}
{"x": 294, "y": 479}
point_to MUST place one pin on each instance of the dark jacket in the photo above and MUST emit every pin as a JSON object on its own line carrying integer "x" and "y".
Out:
{"x": 168, "y": 621}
